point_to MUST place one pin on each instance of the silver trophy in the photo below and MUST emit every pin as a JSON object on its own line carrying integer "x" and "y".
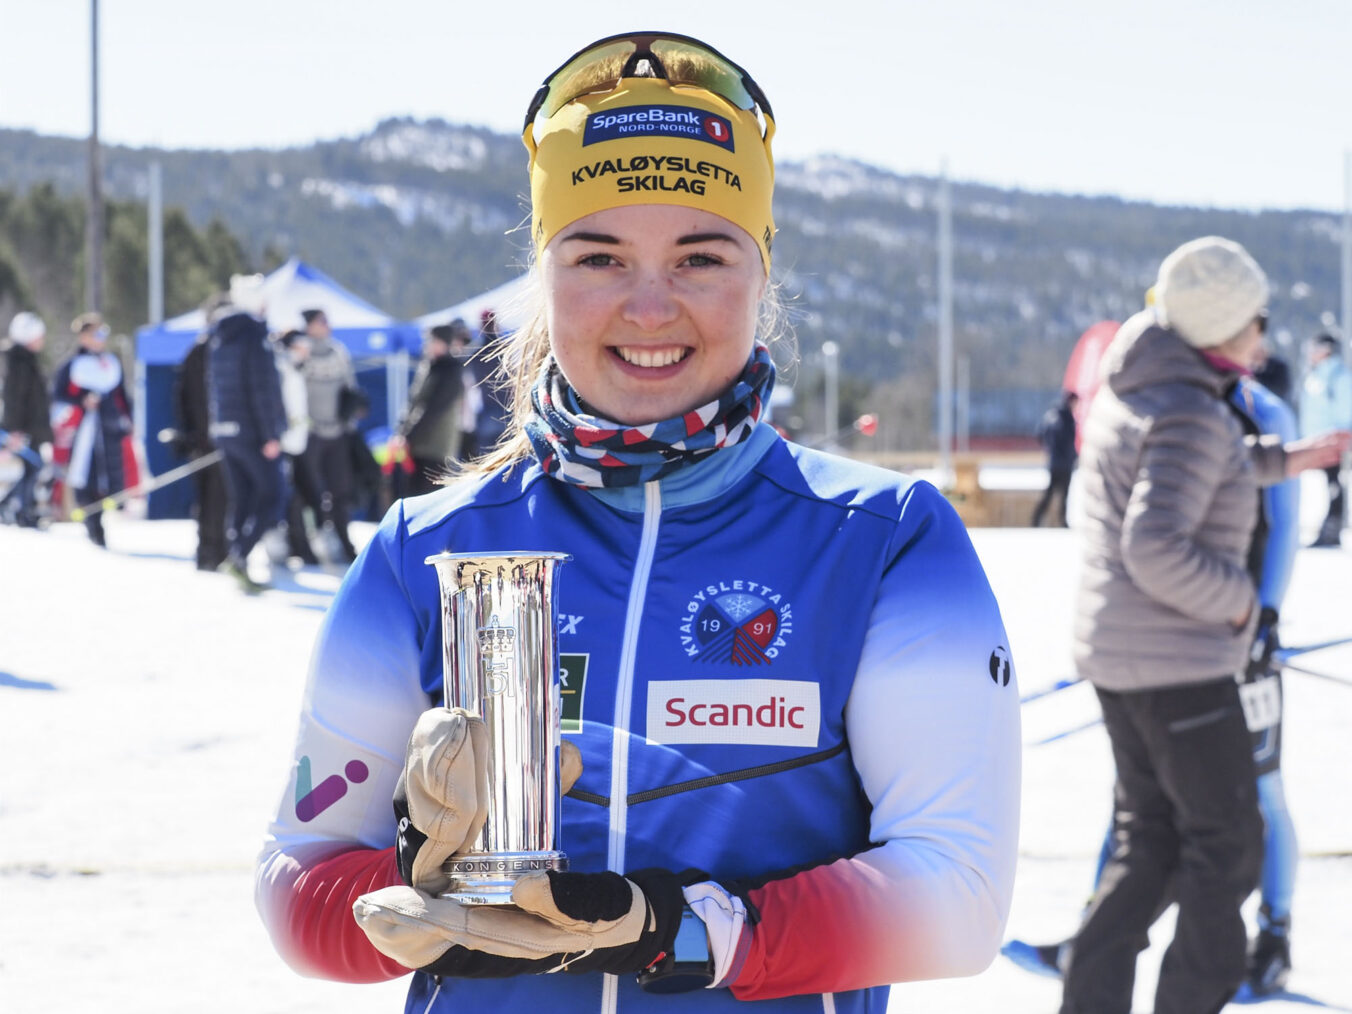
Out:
{"x": 500, "y": 661}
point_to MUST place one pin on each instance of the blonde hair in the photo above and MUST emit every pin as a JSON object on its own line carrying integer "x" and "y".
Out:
{"x": 520, "y": 356}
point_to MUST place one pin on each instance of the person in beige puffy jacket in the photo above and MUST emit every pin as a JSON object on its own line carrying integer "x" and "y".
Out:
{"x": 1165, "y": 616}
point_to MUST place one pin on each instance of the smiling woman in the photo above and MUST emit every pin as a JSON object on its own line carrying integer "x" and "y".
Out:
{"x": 778, "y": 662}
{"x": 651, "y": 310}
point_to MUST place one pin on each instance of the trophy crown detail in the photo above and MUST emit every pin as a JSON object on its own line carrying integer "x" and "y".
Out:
{"x": 496, "y": 638}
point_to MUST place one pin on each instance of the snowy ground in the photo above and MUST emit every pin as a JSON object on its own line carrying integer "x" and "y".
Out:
{"x": 146, "y": 718}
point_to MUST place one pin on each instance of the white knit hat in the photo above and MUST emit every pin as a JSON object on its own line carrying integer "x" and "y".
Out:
{"x": 248, "y": 294}
{"x": 1208, "y": 290}
{"x": 26, "y": 328}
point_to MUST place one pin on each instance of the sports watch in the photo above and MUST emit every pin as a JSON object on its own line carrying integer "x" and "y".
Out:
{"x": 689, "y": 966}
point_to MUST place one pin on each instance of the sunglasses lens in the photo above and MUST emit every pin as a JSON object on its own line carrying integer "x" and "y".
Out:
{"x": 595, "y": 70}
{"x": 687, "y": 64}
{"x": 600, "y": 68}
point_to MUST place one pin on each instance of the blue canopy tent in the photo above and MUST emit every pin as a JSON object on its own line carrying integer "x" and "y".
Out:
{"x": 379, "y": 345}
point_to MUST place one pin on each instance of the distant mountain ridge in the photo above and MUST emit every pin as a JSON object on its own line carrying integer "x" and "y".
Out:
{"x": 417, "y": 215}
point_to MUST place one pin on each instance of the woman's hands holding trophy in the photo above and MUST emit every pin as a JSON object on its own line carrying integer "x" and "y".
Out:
{"x": 573, "y": 921}
{"x": 440, "y": 799}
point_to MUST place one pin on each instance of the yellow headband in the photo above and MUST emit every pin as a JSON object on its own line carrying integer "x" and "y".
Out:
{"x": 651, "y": 142}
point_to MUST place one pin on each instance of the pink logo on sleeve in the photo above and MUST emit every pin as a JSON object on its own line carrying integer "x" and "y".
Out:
{"x": 311, "y": 802}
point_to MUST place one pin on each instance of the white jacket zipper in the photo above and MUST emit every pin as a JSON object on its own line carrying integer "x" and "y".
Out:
{"x": 624, "y": 698}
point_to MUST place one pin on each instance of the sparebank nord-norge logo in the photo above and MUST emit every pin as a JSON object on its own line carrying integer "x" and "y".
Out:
{"x": 738, "y": 621}
{"x": 659, "y": 121}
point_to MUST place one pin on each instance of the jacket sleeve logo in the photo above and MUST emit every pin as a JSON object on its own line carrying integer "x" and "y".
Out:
{"x": 311, "y": 799}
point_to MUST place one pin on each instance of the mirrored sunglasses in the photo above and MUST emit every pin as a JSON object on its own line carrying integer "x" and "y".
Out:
{"x": 678, "y": 59}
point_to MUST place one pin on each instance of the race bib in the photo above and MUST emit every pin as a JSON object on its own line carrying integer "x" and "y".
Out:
{"x": 1262, "y": 700}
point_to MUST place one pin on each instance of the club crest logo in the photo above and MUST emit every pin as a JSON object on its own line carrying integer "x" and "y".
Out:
{"x": 741, "y": 622}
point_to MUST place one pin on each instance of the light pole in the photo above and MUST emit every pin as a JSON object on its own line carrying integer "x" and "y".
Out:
{"x": 831, "y": 371}
{"x": 1347, "y": 251}
{"x": 945, "y": 330}
{"x": 94, "y": 221}
{"x": 155, "y": 242}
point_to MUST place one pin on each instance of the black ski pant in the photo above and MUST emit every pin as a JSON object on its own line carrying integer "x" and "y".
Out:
{"x": 255, "y": 488}
{"x": 1333, "y": 521}
{"x": 1058, "y": 487}
{"x": 104, "y": 478}
{"x": 304, "y": 493}
{"x": 89, "y": 496}
{"x": 331, "y": 460}
{"x": 212, "y": 503}
{"x": 1186, "y": 820}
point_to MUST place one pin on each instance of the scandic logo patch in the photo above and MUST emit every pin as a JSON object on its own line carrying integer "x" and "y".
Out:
{"x": 752, "y": 712}
{"x": 658, "y": 121}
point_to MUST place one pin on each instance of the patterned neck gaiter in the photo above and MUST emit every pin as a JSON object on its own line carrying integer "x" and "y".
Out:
{"x": 586, "y": 450}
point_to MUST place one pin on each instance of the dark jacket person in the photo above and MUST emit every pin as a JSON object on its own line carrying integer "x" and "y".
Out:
{"x": 27, "y": 410}
{"x": 247, "y": 421}
{"x": 431, "y": 428}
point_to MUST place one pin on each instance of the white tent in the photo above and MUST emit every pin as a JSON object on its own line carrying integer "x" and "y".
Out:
{"x": 509, "y": 301}
{"x": 379, "y": 345}
{"x": 293, "y": 287}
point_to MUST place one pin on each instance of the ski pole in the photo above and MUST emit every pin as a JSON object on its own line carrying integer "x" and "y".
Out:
{"x": 1061, "y": 684}
{"x": 1286, "y": 665}
{"x": 1321, "y": 675}
{"x": 1282, "y": 654}
{"x": 141, "y": 489}
{"x": 1068, "y": 732}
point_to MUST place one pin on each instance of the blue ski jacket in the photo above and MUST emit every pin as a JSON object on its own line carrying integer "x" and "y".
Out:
{"x": 781, "y": 666}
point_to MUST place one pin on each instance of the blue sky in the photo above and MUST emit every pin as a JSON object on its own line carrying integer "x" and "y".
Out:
{"x": 1232, "y": 103}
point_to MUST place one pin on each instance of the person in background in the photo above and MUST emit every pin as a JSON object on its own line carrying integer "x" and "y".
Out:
{"x": 193, "y": 441}
{"x": 431, "y": 427}
{"x": 1326, "y": 405}
{"x": 302, "y": 489}
{"x": 495, "y": 408}
{"x": 1167, "y": 612}
{"x": 1057, "y": 434}
{"x": 1272, "y": 553}
{"x": 1273, "y": 373}
{"x": 862, "y": 831}
{"x": 90, "y": 403}
{"x": 471, "y": 404}
{"x": 328, "y": 377}
{"x": 1273, "y": 556}
{"x": 26, "y": 421}
{"x": 247, "y": 421}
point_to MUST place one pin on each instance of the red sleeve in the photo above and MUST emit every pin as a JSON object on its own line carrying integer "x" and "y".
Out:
{"x": 841, "y": 952}
{"x": 306, "y": 902}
